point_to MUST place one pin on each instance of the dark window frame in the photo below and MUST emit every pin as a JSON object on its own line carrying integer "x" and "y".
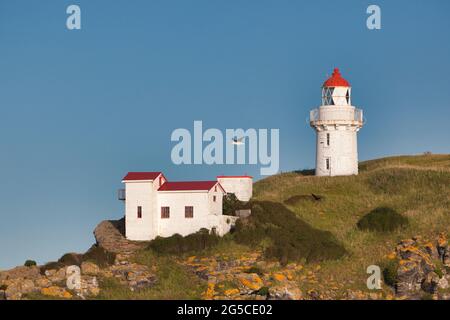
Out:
{"x": 189, "y": 212}
{"x": 165, "y": 212}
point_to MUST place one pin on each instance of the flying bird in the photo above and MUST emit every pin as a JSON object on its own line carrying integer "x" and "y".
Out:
{"x": 237, "y": 141}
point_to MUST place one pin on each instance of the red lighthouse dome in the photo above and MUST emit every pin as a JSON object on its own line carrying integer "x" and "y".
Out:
{"x": 336, "y": 80}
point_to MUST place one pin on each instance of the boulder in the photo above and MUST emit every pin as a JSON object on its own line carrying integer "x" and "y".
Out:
{"x": 89, "y": 268}
{"x": 18, "y": 287}
{"x": 110, "y": 235}
{"x": 285, "y": 292}
{"x": 89, "y": 286}
{"x": 20, "y": 272}
{"x": 443, "y": 283}
{"x": 250, "y": 281}
{"x": 431, "y": 282}
{"x": 56, "y": 292}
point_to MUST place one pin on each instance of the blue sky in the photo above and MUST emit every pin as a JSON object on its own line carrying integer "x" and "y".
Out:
{"x": 81, "y": 108}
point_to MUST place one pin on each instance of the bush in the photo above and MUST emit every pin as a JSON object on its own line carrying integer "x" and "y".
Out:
{"x": 99, "y": 256}
{"x": 3, "y": 287}
{"x": 178, "y": 244}
{"x": 30, "y": 263}
{"x": 288, "y": 237}
{"x": 255, "y": 269}
{"x": 70, "y": 259}
{"x": 231, "y": 204}
{"x": 51, "y": 266}
{"x": 390, "y": 273}
{"x": 382, "y": 219}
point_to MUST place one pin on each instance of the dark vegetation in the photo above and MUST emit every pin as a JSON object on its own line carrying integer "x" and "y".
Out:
{"x": 231, "y": 204}
{"x": 30, "y": 263}
{"x": 281, "y": 234}
{"x": 287, "y": 237}
{"x": 382, "y": 219}
{"x": 390, "y": 272}
{"x": 95, "y": 254}
{"x": 178, "y": 244}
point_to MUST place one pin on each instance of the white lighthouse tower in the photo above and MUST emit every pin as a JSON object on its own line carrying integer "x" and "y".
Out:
{"x": 336, "y": 122}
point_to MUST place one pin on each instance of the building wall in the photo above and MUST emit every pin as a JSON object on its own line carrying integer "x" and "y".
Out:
{"x": 342, "y": 151}
{"x": 204, "y": 208}
{"x": 242, "y": 187}
{"x": 139, "y": 194}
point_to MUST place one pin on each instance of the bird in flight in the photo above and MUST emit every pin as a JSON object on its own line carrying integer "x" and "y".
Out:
{"x": 237, "y": 141}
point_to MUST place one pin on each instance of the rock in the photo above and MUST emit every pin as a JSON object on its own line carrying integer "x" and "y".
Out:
{"x": 89, "y": 286}
{"x": 231, "y": 292}
{"x": 21, "y": 272}
{"x": 407, "y": 277}
{"x": 43, "y": 282}
{"x": 289, "y": 292}
{"x": 250, "y": 280}
{"x": 18, "y": 287}
{"x": 279, "y": 277}
{"x": 110, "y": 235}
{"x": 56, "y": 292}
{"x": 90, "y": 268}
{"x": 56, "y": 276}
{"x": 446, "y": 256}
{"x": 430, "y": 285}
{"x": 443, "y": 283}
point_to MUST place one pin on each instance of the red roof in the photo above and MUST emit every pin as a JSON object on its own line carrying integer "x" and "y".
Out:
{"x": 336, "y": 80}
{"x": 189, "y": 186}
{"x": 141, "y": 176}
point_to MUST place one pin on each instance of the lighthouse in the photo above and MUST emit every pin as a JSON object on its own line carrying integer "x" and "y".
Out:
{"x": 336, "y": 123}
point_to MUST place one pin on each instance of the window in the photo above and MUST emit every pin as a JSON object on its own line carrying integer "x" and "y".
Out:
{"x": 215, "y": 189}
{"x": 160, "y": 181}
{"x": 214, "y": 198}
{"x": 328, "y": 139}
{"x": 165, "y": 212}
{"x": 328, "y": 163}
{"x": 139, "y": 212}
{"x": 188, "y": 212}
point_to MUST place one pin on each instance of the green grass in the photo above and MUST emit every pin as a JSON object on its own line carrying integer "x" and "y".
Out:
{"x": 415, "y": 186}
{"x": 173, "y": 282}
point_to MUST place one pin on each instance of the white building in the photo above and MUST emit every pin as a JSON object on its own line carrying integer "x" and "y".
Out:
{"x": 156, "y": 207}
{"x": 241, "y": 186}
{"x": 336, "y": 123}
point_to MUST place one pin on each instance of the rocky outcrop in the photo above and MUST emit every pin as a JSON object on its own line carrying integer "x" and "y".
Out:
{"x": 109, "y": 234}
{"x": 422, "y": 268}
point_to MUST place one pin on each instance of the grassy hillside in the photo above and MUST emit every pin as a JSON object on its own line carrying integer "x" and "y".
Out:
{"x": 418, "y": 187}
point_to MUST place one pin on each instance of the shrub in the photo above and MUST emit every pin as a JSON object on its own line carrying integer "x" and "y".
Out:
{"x": 231, "y": 204}
{"x": 3, "y": 287}
{"x": 99, "y": 256}
{"x": 382, "y": 219}
{"x": 255, "y": 269}
{"x": 288, "y": 237}
{"x": 178, "y": 244}
{"x": 264, "y": 291}
{"x": 390, "y": 273}
{"x": 51, "y": 266}
{"x": 70, "y": 259}
{"x": 30, "y": 263}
